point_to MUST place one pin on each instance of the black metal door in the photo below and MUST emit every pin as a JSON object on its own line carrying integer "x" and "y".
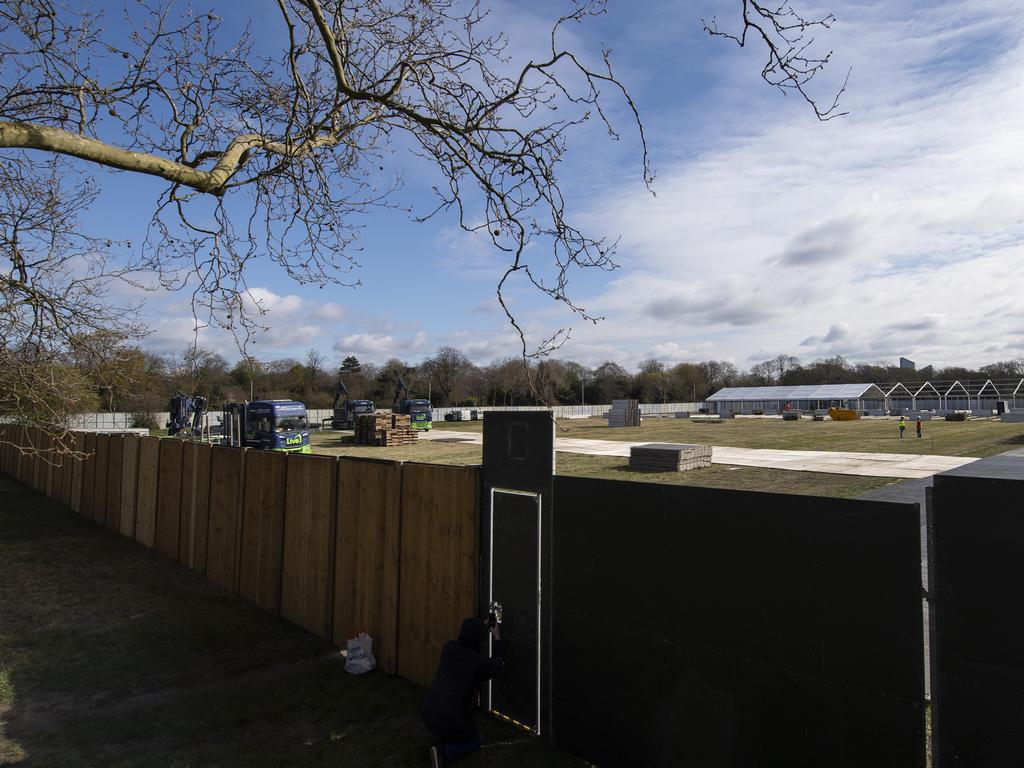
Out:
{"x": 515, "y": 582}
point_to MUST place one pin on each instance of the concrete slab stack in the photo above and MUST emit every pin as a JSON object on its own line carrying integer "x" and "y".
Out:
{"x": 708, "y": 418}
{"x": 624, "y": 413}
{"x": 669, "y": 457}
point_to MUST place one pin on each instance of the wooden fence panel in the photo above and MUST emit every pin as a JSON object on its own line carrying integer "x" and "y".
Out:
{"x": 99, "y": 492}
{"x": 18, "y": 457}
{"x": 11, "y": 464}
{"x": 9, "y": 450}
{"x": 39, "y": 463}
{"x": 366, "y": 556}
{"x": 13, "y": 461}
{"x": 114, "y": 458}
{"x": 146, "y": 490}
{"x": 438, "y": 567}
{"x": 227, "y": 474}
{"x": 307, "y": 569}
{"x": 64, "y": 476}
{"x": 77, "y": 473}
{"x": 129, "y": 484}
{"x": 28, "y": 463}
{"x": 12, "y": 451}
{"x": 32, "y": 466}
{"x": 50, "y": 447}
{"x": 18, "y": 467}
{"x": 195, "y": 505}
{"x": 88, "y": 473}
{"x": 168, "y": 507}
{"x": 56, "y": 480}
{"x": 259, "y": 558}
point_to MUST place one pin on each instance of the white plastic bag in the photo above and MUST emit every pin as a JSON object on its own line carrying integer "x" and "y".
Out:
{"x": 359, "y": 655}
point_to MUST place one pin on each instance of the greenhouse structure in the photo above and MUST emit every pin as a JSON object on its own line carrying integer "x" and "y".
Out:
{"x": 772, "y": 400}
{"x": 979, "y": 397}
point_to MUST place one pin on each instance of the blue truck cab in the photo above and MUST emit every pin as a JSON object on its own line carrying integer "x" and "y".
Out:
{"x": 420, "y": 413}
{"x": 273, "y": 425}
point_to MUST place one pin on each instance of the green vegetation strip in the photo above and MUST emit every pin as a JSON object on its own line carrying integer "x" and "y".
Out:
{"x": 617, "y": 468}
{"x": 111, "y": 655}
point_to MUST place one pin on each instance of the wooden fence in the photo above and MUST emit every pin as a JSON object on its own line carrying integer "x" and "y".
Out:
{"x": 335, "y": 545}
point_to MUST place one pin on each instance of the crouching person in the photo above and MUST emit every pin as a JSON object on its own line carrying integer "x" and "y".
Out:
{"x": 448, "y": 705}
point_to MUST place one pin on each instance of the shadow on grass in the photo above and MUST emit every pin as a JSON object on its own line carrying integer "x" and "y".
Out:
{"x": 111, "y": 655}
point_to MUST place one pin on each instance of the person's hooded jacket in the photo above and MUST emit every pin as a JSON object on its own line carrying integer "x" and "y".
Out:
{"x": 448, "y": 704}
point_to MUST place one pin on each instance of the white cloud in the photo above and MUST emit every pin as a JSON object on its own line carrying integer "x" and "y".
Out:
{"x": 265, "y": 300}
{"x": 380, "y": 346}
{"x": 895, "y": 228}
{"x": 363, "y": 343}
{"x": 329, "y": 312}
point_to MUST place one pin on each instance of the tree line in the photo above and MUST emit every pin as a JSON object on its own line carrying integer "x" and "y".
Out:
{"x": 130, "y": 379}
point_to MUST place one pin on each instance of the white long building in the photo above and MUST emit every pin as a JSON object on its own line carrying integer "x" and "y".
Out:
{"x": 981, "y": 397}
{"x": 770, "y": 400}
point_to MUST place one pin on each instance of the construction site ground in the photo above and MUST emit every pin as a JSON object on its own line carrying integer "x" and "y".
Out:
{"x": 844, "y": 459}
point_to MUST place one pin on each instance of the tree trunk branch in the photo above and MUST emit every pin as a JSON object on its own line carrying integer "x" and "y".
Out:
{"x": 49, "y": 139}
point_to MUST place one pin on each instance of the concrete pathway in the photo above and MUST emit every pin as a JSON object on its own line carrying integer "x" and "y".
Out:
{"x": 895, "y": 465}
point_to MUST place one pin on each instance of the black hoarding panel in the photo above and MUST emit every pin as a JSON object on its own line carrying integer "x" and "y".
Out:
{"x": 514, "y": 583}
{"x": 722, "y": 628}
{"x": 978, "y": 653}
{"x": 519, "y": 456}
{"x": 519, "y": 450}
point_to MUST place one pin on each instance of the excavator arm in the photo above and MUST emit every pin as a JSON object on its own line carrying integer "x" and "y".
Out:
{"x": 401, "y": 392}
{"x": 338, "y": 392}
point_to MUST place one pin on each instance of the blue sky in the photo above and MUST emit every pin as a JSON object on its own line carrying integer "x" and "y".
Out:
{"x": 896, "y": 230}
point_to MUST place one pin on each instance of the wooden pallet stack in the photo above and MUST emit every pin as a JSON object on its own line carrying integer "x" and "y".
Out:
{"x": 669, "y": 457}
{"x": 384, "y": 429}
{"x": 624, "y": 413}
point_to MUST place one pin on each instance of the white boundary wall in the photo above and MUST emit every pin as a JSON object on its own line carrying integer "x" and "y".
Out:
{"x": 103, "y": 420}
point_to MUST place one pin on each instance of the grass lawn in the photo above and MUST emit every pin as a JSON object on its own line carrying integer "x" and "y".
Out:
{"x": 111, "y": 655}
{"x": 430, "y": 451}
{"x": 616, "y": 468}
{"x": 978, "y": 437}
{"x": 724, "y": 476}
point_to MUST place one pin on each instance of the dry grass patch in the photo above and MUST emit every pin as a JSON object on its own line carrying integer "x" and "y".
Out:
{"x": 111, "y": 655}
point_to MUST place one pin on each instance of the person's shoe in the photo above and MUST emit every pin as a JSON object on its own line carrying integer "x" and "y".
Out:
{"x": 436, "y": 760}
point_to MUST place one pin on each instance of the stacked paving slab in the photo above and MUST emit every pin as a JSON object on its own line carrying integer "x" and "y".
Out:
{"x": 669, "y": 457}
{"x": 384, "y": 429}
{"x": 624, "y": 413}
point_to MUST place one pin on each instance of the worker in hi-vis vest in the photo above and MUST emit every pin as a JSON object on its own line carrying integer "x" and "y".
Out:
{"x": 903, "y": 426}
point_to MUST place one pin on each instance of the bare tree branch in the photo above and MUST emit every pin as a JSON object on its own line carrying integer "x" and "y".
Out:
{"x": 274, "y": 156}
{"x": 788, "y": 37}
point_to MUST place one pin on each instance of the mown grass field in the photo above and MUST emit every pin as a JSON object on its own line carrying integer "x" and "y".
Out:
{"x": 977, "y": 438}
{"x": 111, "y": 655}
{"x": 615, "y": 468}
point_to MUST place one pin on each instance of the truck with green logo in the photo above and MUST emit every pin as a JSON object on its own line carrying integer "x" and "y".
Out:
{"x": 273, "y": 425}
{"x": 421, "y": 412}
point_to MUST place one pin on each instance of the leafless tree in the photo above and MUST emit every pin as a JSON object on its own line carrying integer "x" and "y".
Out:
{"x": 445, "y": 371}
{"x": 56, "y": 320}
{"x": 273, "y": 156}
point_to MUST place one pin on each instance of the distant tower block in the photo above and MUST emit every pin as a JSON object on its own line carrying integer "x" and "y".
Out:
{"x": 907, "y": 364}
